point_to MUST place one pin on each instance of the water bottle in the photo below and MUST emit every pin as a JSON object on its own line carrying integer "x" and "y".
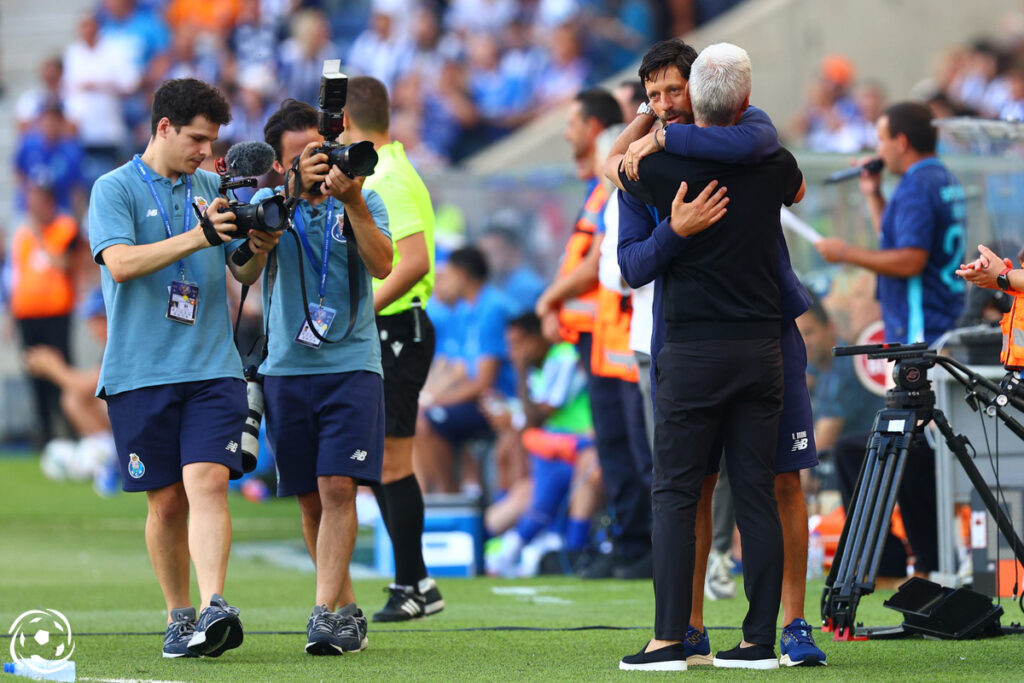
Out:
{"x": 251, "y": 431}
{"x": 815, "y": 555}
{"x": 42, "y": 670}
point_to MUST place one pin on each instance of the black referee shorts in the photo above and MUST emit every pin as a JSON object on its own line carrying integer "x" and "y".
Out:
{"x": 406, "y": 351}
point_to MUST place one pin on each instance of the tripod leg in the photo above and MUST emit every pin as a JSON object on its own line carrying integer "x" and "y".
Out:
{"x": 868, "y": 522}
{"x": 956, "y": 445}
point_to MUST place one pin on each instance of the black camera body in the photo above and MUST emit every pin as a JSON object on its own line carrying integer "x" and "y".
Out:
{"x": 357, "y": 159}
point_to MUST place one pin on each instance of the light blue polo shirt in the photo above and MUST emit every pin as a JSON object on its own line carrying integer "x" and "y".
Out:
{"x": 361, "y": 349}
{"x": 145, "y": 348}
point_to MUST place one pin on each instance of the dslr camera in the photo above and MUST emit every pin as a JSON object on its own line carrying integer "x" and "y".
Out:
{"x": 357, "y": 159}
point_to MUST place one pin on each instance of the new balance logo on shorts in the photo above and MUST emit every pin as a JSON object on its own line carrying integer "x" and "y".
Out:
{"x": 232, "y": 446}
{"x": 359, "y": 455}
{"x": 800, "y": 442}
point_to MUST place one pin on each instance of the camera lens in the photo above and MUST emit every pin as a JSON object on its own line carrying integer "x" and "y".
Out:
{"x": 272, "y": 213}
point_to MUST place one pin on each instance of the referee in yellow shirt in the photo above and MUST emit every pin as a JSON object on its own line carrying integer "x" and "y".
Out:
{"x": 406, "y": 341}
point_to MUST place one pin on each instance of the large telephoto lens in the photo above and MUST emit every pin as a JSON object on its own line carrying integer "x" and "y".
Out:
{"x": 357, "y": 159}
{"x": 268, "y": 215}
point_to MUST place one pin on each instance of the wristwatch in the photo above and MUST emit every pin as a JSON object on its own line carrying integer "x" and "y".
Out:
{"x": 645, "y": 108}
{"x": 1003, "y": 280}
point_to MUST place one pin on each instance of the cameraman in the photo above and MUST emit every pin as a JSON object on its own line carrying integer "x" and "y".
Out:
{"x": 325, "y": 401}
{"x": 406, "y": 343}
{"x": 173, "y": 382}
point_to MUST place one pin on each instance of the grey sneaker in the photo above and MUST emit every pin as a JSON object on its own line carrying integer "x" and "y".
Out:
{"x": 179, "y": 631}
{"x": 322, "y": 632}
{"x": 351, "y": 628}
{"x": 218, "y": 629}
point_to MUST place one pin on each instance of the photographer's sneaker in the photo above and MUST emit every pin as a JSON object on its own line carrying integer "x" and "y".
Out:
{"x": 179, "y": 632}
{"x": 669, "y": 658}
{"x": 697, "y": 647}
{"x": 219, "y": 629}
{"x": 351, "y": 628}
{"x": 321, "y": 632}
{"x": 753, "y": 657}
{"x": 719, "y": 583}
{"x": 411, "y": 602}
{"x": 797, "y": 646}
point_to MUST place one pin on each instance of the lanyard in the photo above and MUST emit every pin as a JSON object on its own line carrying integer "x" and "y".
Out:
{"x": 325, "y": 252}
{"x": 160, "y": 205}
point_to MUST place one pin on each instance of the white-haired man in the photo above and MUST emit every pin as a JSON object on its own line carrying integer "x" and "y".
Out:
{"x": 722, "y": 322}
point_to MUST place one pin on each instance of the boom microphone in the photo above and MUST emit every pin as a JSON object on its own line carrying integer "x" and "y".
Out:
{"x": 250, "y": 159}
{"x": 873, "y": 166}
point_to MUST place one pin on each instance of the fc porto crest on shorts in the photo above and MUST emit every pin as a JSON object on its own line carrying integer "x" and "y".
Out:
{"x": 135, "y": 467}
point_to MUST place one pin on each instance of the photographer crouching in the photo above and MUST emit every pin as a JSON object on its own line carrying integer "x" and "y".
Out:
{"x": 322, "y": 382}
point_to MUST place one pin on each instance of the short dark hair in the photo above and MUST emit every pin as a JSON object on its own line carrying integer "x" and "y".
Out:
{"x": 471, "y": 260}
{"x": 528, "y": 322}
{"x": 674, "y": 52}
{"x": 367, "y": 104}
{"x": 915, "y": 121}
{"x": 600, "y": 104}
{"x": 182, "y": 99}
{"x": 292, "y": 115}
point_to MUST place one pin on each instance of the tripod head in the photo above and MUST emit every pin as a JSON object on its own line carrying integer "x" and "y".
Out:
{"x": 913, "y": 390}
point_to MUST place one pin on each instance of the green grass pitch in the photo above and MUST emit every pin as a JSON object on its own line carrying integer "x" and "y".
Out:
{"x": 65, "y": 549}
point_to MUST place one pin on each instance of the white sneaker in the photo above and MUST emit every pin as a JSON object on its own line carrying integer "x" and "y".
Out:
{"x": 718, "y": 582}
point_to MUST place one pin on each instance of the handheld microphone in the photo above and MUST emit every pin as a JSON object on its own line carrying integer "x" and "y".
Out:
{"x": 873, "y": 166}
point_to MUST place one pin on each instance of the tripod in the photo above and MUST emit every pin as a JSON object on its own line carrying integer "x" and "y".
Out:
{"x": 909, "y": 407}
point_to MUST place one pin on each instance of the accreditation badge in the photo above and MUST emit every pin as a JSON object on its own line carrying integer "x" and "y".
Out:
{"x": 183, "y": 302}
{"x": 322, "y": 318}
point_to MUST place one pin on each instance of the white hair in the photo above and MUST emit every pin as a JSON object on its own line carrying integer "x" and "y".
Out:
{"x": 719, "y": 84}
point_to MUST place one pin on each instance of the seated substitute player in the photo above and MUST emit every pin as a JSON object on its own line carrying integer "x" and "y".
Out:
{"x": 553, "y": 413}
{"x": 173, "y": 383}
{"x": 325, "y": 401}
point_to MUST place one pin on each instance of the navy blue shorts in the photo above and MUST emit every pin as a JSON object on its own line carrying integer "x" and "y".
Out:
{"x": 158, "y": 430}
{"x": 325, "y": 425}
{"x": 459, "y": 423}
{"x": 795, "y": 450}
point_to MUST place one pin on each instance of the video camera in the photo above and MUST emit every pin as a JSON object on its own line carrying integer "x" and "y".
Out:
{"x": 357, "y": 159}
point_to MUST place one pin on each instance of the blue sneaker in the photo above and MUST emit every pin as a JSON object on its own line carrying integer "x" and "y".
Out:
{"x": 797, "y": 646}
{"x": 218, "y": 629}
{"x": 179, "y": 632}
{"x": 697, "y": 647}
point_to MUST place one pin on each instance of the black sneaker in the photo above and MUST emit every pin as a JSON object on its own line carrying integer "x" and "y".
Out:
{"x": 600, "y": 567}
{"x": 179, "y": 632}
{"x": 753, "y": 657}
{"x": 403, "y": 604}
{"x": 411, "y": 602}
{"x": 351, "y": 628}
{"x": 642, "y": 568}
{"x": 669, "y": 658}
{"x": 321, "y": 633}
{"x": 218, "y": 629}
{"x": 431, "y": 594}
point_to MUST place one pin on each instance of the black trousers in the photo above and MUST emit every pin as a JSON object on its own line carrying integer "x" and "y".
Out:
{"x": 55, "y": 332}
{"x": 916, "y": 497}
{"x": 624, "y": 455}
{"x": 709, "y": 393}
